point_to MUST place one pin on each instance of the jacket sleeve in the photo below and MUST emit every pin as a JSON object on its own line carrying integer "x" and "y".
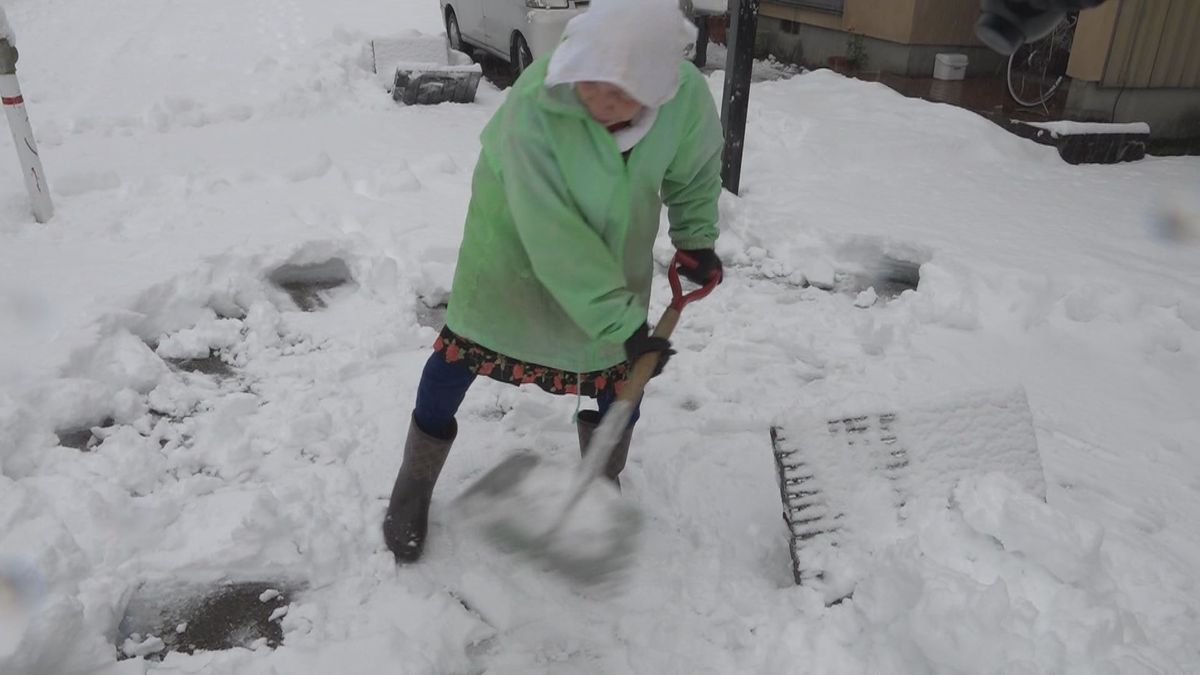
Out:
{"x": 692, "y": 185}
{"x": 566, "y": 254}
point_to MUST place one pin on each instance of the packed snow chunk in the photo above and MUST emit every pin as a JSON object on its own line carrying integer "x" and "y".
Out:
{"x": 947, "y": 297}
{"x": 137, "y": 645}
{"x": 135, "y": 460}
{"x": 23, "y": 434}
{"x": 174, "y": 399}
{"x": 866, "y": 298}
{"x": 120, "y": 360}
{"x": 71, "y": 408}
{"x": 997, "y": 506}
{"x": 201, "y": 340}
{"x": 821, "y": 274}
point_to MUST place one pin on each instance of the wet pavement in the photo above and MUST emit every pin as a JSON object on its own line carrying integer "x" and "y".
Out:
{"x": 985, "y": 95}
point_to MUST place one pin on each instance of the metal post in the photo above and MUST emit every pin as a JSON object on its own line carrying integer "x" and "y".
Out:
{"x": 736, "y": 99}
{"x": 22, "y": 132}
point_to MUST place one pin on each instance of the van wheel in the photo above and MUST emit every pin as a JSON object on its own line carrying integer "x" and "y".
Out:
{"x": 522, "y": 57}
{"x": 453, "y": 34}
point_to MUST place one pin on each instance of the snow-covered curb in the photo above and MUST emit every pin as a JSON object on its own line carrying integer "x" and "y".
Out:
{"x": 1070, "y": 128}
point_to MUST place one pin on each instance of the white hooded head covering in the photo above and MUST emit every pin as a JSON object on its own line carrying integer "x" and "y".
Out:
{"x": 634, "y": 44}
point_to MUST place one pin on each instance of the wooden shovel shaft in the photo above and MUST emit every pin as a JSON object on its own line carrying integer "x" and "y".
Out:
{"x": 599, "y": 450}
{"x": 643, "y": 368}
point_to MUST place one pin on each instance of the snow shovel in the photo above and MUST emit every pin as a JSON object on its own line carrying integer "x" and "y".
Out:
{"x": 559, "y": 513}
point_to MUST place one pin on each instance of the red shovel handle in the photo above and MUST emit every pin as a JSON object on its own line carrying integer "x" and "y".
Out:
{"x": 680, "y": 299}
{"x": 644, "y": 368}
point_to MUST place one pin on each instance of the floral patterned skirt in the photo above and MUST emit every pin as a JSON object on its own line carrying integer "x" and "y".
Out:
{"x": 483, "y": 361}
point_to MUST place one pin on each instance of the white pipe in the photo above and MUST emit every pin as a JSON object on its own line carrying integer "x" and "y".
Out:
{"x": 31, "y": 163}
{"x": 18, "y": 124}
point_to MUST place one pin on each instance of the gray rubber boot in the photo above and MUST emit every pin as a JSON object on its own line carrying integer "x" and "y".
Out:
{"x": 586, "y": 423}
{"x": 407, "y": 519}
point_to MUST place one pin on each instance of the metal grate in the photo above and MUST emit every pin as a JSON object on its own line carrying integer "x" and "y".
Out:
{"x": 814, "y": 518}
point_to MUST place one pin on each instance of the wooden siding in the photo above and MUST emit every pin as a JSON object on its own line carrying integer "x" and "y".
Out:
{"x": 1156, "y": 44}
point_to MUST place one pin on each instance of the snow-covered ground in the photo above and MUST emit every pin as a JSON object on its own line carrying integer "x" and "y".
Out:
{"x": 197, "y": 151}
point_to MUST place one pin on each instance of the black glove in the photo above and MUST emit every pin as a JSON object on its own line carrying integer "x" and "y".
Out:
{"x": 707, "y": 265}
{"x": 642, "y": 342}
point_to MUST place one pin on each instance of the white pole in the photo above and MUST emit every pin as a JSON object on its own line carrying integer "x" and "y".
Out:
{"x": 18, "y": 123}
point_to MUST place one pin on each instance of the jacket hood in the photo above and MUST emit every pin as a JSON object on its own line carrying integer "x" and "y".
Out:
{"x": 634, "y": 44}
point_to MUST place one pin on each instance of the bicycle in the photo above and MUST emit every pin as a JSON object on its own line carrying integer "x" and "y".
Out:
{"x": 1037, "y": 69}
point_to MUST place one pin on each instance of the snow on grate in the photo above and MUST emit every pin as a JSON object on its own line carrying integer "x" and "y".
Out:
{"x": 845, "y": 478}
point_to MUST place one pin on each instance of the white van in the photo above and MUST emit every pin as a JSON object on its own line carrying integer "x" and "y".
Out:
{"x": 517, "y": 31}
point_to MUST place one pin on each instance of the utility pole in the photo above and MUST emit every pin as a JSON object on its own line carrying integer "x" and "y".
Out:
{"x": 736, "y": 98}
{"x": 18, "y": 123}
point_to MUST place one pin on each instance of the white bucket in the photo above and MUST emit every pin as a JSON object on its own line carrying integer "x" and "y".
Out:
{"x": 950, "y": 66}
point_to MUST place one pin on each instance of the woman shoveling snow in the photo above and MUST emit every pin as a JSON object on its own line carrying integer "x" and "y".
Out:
{"x": 552, "y": 286}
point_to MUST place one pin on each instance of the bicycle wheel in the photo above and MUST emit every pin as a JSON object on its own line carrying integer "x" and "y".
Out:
{"x": 1036, "y": 70}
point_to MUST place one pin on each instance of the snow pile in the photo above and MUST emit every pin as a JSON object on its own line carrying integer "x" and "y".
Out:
{"x": 417, "y": 52}
{"x": 207, "y": 362}
{"x": 984, "y": 586}
{"x": 761, "y": 71}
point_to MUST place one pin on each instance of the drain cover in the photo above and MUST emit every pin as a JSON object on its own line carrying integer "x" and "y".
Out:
{"x": 166, "y": 617}
{"x": 845, "y": 478}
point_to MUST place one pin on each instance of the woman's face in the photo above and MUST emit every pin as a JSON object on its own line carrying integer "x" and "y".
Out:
{"x": 607, "y": 103}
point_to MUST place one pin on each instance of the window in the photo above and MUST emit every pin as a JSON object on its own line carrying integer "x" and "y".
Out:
{"x": 790, "y": 27}
{"x": 834, "y": 6}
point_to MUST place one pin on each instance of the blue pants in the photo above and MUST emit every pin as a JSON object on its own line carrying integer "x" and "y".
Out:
{"x": 444, "y": 386}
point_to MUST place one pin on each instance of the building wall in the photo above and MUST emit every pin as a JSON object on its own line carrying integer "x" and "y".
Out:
{"x": 1172, "y": 113}
{"x": 890, "y": 20}
{"x": 884, "y": 19}
{"x": 1138, "y": 61}
{"x": 945, "y": 22}
{"x": 1139, "y": 44}
{"x": 923, "y": 22}
{"x": 1156, "y": 44}
{"x": 812, "y": 17}
{"x": 1093, "y": 39}
{"x": 899, "y": 36}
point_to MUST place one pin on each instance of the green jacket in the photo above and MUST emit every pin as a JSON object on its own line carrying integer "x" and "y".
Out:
{"x": 555, "y": 265}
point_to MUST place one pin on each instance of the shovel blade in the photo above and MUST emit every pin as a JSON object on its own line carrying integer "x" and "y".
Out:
{"x": 517, "y": 506}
